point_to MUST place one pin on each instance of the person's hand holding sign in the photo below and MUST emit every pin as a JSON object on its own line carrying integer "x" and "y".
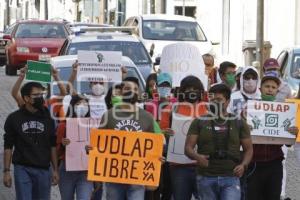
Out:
{"x": 65, "y": 141}
{"x": 293, "y": 130}
{"x": 23, "y": 71}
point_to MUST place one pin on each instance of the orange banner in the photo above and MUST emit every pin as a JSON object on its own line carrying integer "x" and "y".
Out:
{"x": 125, "y": 157}
{"x": 297, "y": 102}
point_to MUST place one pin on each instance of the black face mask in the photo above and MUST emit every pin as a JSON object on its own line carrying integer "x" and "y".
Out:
{"x": 38, "y": 102}
{"x": 130, "y": 97}
{"x": 216, "y": 108}
{"x": 191, "y": 97}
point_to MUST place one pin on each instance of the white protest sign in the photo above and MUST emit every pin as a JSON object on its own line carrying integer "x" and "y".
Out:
{"x": 271, "y": 119}
{"x": 78, "y": 132}
{"x": 182, "y": 60}
{"x": 104, "y": 66}
{"x": 180, "y": 125}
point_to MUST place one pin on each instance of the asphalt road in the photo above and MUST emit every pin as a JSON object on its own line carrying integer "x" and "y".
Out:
{"x": 7, "y": 105}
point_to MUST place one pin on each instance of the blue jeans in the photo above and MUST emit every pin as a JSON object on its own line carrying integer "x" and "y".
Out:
{"x": 74, "y": 181}
{"x": 32, "y": 183}
{"x": 116, "y": 191}
{"x": 218, "y": 188}
{"x": 183, "y": 179}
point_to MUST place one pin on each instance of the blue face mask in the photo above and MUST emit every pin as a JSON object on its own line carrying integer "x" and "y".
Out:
{"x": 272, "y": 73}
{"x": 164, "y": 91}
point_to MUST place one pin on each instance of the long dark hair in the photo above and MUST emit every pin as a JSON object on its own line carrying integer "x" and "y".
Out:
{"x": 151, "y": 77}
{"x": 109, "y": 95}
{"x": 190, "y": 82}
{"x": 74, "y": 100}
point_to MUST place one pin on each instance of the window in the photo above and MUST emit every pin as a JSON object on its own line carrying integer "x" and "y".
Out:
{"x": 172, "y": 30}
{"x": 282, "y": 60}
{"x": 134, "y": 50}
{"x": 28, "y": 30}
{"x": 295, "y": 69}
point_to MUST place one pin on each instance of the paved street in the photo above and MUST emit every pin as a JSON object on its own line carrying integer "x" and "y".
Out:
{"x": 7, "y": 105}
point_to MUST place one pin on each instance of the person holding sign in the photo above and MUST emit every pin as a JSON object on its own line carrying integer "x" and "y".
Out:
{"x": 265, "y": 181}
{"x": 127, "y": 117}
{"x": 249, "y": 82}
{"x": 190, "y": 105}
{"x": 72, "y": 182}
{"x": 218, "y": 137}
{"x": 29, "y": 143}
{"x": 54, "y": 104}
{"x": 97, "y": 98}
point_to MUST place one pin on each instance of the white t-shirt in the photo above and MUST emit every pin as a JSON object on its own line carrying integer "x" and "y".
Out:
{"x": 97, "y": 106}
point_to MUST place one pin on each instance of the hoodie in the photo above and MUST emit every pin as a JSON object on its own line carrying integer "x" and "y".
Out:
{"x": 31, "y": 135}
{"x": 239, "y": 98}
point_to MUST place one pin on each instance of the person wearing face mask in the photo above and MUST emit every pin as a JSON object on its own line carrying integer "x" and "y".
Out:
{"x": 54, "y": 104}
{"x": 29, "y": 143}
{"x": 249, "y": 89}
{"x": 265, "y": 181}
{"x": 272, "y": 68}
{"x": 227, "y": 73}
{"x": 218, "y": 138}
{"x": 97, "y": 99}
{"x": 113, "y": 96}
{"x": 189, "y": 104}
{"x": 72, "y": 182}
{"x": 127, "y": 116}
{"x": 163, "y": 98}
{"x": 98, "y": 92}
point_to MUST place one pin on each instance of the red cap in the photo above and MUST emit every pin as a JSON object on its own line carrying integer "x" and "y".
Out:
{"x": 271, "y": 63}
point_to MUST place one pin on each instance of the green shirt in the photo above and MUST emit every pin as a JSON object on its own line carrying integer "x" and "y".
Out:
{"x": 207, "y": 144}
{"x": 139, "y": 121}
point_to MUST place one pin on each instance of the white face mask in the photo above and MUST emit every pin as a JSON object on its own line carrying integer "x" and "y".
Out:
{"x": 98, "y": 89}
{"x": 81, "y": 110}
{"x": 250, "y": 85}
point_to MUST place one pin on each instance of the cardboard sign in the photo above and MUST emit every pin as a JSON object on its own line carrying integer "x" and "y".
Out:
{"x": 38, "y": 71}
{"x": 180, "y": 125}
{"x": 181, "y": 60}
{"x": 78, "y": 131}
{"x": 297, "y": 103}
{"x": 104, "y": 66}
{"x": 125, "y": 157}
{"x": 271, "y": 119}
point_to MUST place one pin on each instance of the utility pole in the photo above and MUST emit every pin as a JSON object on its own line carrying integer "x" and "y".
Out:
{"x": 183, "y": 7}
{"x": 7, "y": 13}
{"x": 46, "y": 10}
{"x": 260, "y": 34}
{"x": 92, "y": 11}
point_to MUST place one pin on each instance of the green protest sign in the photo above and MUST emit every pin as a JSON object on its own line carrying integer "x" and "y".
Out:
{"x": 38, "y": 71}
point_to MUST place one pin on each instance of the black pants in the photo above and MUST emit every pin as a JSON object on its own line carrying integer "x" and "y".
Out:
{"x": 264, "y": 183}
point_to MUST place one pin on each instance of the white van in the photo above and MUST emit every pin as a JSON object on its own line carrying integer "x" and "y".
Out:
{"x": 159, "y": 30}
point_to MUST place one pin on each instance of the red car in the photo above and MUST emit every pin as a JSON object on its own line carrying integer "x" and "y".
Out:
{"x": 34, "y": 40}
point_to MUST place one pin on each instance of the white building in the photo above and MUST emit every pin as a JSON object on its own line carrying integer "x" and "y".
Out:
{"x": 229, "y": 22}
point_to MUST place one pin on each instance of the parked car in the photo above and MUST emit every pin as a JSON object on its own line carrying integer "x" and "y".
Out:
{"x": 128, "y": 44}
{"x": 64, "y": 66}
{"x": 34, "y": 40}
{"x": 4, "y": 38}
{"x": 289, "y": 61}
{"x": 158, "y": 30}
